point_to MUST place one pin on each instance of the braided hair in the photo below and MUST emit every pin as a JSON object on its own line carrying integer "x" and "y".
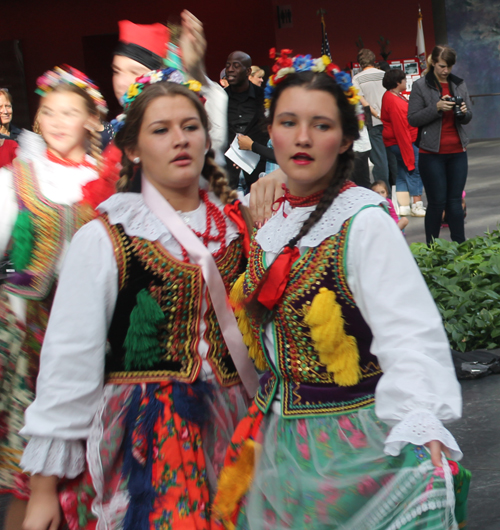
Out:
{"x": 345, "y": 161}
{"x": 127, "y": 138}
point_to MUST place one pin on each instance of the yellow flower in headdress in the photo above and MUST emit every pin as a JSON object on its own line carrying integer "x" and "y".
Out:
{"x": 352, "y": 95}
{"x": 133, "y": 90}
{"x": 326, "y": 60}
{"x": 319, "y": 65}
{"x": 193, "y": 85}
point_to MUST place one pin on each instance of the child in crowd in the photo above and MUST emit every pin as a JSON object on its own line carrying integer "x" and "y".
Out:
{"x": 48, "y": 192}
{"x": 380, "y": 187}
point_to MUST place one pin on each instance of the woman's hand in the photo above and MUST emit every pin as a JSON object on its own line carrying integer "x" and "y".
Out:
{"x": 245, "y": 142}
{"x": 44, "y": 511}
{"x": 263, "y": 193}
{"x": 463, "y": 108}
{"x": 445, "y": 105}
{"x": 437, "y": 448}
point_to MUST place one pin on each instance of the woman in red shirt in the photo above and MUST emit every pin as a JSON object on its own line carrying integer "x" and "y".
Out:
{"x": 399, "y": 138}
{"x": 442, "y": 141}
{"x": 7, "y": 151}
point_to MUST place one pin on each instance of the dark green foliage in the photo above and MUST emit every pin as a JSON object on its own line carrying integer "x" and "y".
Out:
{"x": 464, "y": 281}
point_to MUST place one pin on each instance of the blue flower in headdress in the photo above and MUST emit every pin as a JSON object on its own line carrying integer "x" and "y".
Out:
{"x": 343, "y": 80}
{"x": 268, "y": 91}
{"x": 302, "y": 63}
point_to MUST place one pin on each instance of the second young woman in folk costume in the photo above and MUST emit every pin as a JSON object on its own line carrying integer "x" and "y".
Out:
{"x": 346, "y": 355}
{"x": 148, "y": 419}
{"x": 50, "y": 190}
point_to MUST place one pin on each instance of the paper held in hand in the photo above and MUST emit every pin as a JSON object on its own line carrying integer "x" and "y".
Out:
{"x": 246, "y": 160}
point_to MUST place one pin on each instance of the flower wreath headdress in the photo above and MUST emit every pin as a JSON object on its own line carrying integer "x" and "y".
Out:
{"x": 286, "y": 65}
{"x": 65, "y": 74}
{"x": 172, "y": 75}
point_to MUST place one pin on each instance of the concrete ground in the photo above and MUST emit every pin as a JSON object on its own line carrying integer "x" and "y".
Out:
{"x": 478, "y": 432}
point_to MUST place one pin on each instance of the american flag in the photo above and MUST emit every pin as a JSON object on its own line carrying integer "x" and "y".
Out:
{"x": 325, "y": 46}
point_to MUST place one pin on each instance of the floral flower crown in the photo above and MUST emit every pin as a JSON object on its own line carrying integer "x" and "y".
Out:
{"x": 68, "y": 75}
{"x": 171, "y": 75}
{"x": 286, "y": 65}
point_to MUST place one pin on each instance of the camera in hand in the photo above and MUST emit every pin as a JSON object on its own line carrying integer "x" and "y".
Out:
{"x": 456, "y": 109}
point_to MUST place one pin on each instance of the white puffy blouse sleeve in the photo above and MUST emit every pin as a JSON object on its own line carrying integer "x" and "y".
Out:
{"x": 216, "y": 107}
{"x": 71, "y": 377}
{"x": 418, "y": 390}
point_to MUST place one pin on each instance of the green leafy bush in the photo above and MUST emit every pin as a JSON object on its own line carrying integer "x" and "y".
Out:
{"x": 465, "y": 283}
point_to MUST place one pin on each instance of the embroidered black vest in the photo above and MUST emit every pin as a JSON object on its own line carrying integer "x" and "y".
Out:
{"x": 307, "y": 387}
{"x": 178, "y": 289}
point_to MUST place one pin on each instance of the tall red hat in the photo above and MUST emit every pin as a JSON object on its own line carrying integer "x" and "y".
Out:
{"x": 144, "y": 43}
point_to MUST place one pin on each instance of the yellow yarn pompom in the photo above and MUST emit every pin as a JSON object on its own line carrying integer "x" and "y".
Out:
{"x": 234, "y": 482}
{"x": 237, "y": 298}
{"x": 337, "y": 350}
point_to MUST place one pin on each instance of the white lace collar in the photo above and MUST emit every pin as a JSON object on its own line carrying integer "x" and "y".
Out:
{"x": 130, "y": 211}
{"x": 278, "y": 231}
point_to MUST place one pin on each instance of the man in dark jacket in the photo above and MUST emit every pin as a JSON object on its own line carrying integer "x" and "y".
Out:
{"x": 245, "y": 112}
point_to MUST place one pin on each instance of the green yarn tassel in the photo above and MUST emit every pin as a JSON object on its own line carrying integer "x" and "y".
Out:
{"x": 461, "y": 484}
{"x": 142, "y": 347}
{"x": 23, "y": 239}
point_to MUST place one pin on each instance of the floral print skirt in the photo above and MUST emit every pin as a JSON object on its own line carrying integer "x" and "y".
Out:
{"x": 20, "y": 347}
{"x": 331, "y": 473}
{"x": 162, "y": 476}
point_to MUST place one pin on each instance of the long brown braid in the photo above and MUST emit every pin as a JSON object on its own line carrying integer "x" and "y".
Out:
{"x": 342, "y": 174}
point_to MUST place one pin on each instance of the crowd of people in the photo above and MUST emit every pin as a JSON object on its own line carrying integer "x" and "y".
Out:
{"x": 177, "y": 354}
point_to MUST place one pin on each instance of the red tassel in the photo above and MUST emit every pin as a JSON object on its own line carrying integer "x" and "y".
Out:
{"x": 234, "y": 213}
{"x": 274, "y": 283}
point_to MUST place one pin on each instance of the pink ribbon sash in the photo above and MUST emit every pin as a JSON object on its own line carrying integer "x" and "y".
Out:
{"x": 201, "y": 256}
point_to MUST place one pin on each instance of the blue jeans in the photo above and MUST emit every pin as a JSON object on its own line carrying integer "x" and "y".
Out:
{"x": 444, "y": 178}
{"x": 407, "y": 181}
{"x": 378, "y": 156}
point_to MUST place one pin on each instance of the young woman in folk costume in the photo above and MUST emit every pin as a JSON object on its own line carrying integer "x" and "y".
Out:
{"x": 347, "y": 356}
{"x": 157, "y": 409}
{"x": 50, "y": 190}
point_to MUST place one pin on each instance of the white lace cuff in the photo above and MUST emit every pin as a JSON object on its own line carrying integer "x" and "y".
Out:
{"x": 418, "y": 428}
{"x": 54, "y": 457}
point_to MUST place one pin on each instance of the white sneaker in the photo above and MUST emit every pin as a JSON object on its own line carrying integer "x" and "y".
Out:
{"x": 417, "y": 209}
{"x": 404, "y": 211}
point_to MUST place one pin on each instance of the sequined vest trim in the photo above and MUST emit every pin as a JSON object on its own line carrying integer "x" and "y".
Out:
{"x": 307, "y": 388}
{"x": 54, "y": 224}
{"x": 178, "y": 289}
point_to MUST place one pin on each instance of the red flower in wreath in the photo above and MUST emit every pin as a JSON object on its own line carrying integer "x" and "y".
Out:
{"x": 282, "y": 62}
{"x": 277, "y": 80}
{"x": 286, "y": 52}
{"x": 272, "y": 53}
{"x": 330, "y": 70}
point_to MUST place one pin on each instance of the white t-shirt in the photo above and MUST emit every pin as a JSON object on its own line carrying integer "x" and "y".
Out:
{"x": 369, "y": 84}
